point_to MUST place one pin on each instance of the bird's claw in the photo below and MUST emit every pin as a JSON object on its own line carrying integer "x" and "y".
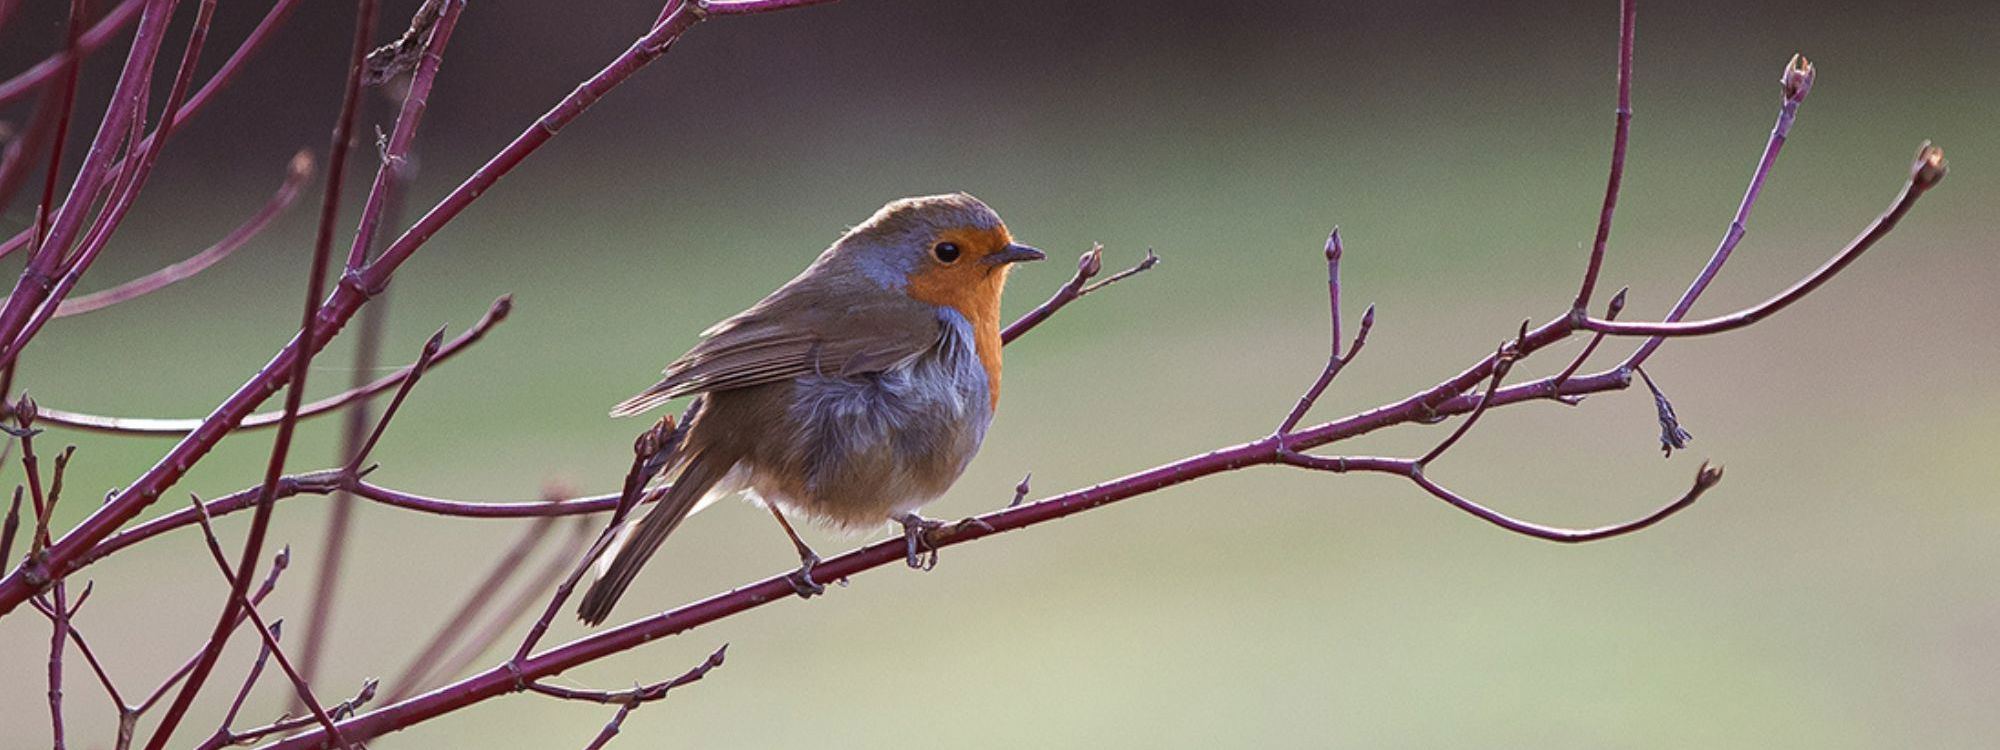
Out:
{"x": 921, "y": 552}
{"x": 802, "y": 579}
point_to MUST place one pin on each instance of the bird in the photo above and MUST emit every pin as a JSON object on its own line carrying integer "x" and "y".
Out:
{"x": 853, "y": 395}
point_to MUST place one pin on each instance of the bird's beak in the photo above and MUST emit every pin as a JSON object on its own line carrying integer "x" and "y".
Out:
{"x": 1014, "y": 253}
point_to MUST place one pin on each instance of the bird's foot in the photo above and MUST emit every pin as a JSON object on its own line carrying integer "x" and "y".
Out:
{"x": 802, "y": 579}
{"x": 920, "y": 553}
{"x": 921, "y": 546}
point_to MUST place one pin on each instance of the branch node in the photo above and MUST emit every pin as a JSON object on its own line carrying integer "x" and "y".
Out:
{"x": 1021, "y": 490}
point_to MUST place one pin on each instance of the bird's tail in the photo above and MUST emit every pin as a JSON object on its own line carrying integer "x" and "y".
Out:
{"x": 636, "y": 544}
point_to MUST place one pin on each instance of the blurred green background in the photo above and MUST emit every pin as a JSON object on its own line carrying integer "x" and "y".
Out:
{"x": 1837, "y": 590}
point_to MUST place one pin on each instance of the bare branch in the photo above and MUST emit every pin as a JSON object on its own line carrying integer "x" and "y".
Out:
{"x": 1620, "y": 136}
{"x": 628, "y": 700}
{"x": 1794, "y": 84}
{"x": 106, "y": 29}
{"x": 1335, "y": 361}
{"x": 280, "y": 448}
{"x": 267, "y": 632}
{"x": 296, "y": 173}
{"x": 1704, "y": 478}
{"x": 1925, "y": 172}
{"x": 278, "y": 565}
{"x": 416, "y": 371}
{"x": 355, "y": 290}
{"x": 1088, "y": 266}
{"x": 154, "y": 426}
{"x": 1611, "y": 311}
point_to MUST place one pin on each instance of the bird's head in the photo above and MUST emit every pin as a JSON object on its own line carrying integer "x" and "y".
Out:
{"x": 948, "y": 250}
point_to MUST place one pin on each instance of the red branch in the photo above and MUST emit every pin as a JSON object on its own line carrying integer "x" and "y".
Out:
{"x": 296, "y": 173}
{"x": 354, "y": 291}
{"x": 1282, "y": 448}
{"x": 32, "y": 79}
{"x": 494, "y": 314}
{"x": 281, "y": 447}
{"x": 119, "y": 160}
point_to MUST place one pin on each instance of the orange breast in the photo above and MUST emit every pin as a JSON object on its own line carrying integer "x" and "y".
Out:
{"x": 973, "y": 288}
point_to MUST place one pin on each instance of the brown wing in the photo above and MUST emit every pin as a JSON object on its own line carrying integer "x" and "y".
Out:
{"x": 785, "y": 336}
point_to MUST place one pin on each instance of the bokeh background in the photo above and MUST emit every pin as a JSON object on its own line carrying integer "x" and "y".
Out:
{"x": 1837, "y": 590}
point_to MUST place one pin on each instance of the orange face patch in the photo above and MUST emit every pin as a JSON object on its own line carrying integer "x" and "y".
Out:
{"x": 971, "y": 286}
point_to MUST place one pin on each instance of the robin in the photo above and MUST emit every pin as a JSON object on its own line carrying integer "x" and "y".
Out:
{"x": 851, "y": 396}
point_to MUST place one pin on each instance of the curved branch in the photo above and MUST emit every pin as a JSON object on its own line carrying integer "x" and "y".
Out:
{"x": 1795, "y": 83}
{"x": 1704, "y": 478}
{"x": 296, "y": 173}
{"x": 1925, "y": 173}
{"x": 495, "y": 313}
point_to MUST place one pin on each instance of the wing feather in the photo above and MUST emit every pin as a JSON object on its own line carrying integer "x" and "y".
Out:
{"x": 786, "y": 336}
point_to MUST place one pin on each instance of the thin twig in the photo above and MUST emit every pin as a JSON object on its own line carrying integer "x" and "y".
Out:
{"x": 53, "y": 236}
{"x": 1794, "y": 84}
{"x": 59, "y": 617}
{"x": 267, "y": 632}
{"x": 628, "y": 700}
{"x": 1620, "y": 136}
{"x": 424, "y": 359}
{"x": 339, "y": 710}
{"x": 39, "y": 75}
{"x": 278, "y": 564}
{"x": 131, "y": 174}
{"x": 1088, "y": 266}
{"x": 1611, "y": 311}
{"x": 250, "y": 680}
{"x": 222, "y": 75}
{"x": 274, "y": 469}
{"x": 482, "y": 639}
{"x": 496, "y": 313}
{"x": 1485, "y": 402}
{"x": 354, "y": 291}
{"x": 296, "y": 173}
{"x": 1335, "y": 361}
{"x": 1925, "y": 173}
{"x": 9, "y": 527}
{"x": 354, "y": 430}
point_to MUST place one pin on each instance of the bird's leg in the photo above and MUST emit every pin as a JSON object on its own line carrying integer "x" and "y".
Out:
{"x": 801, "y": 579}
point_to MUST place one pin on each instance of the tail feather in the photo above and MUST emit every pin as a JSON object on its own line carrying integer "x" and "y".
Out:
{"x": 644, "y": 402}
{"x": 637, "y": 545}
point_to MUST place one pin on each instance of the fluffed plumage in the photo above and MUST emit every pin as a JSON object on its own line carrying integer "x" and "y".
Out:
{"x": 853, "y": 394}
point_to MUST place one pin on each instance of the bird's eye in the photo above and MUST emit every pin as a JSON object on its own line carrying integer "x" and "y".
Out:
{"x": 946, "y": 252}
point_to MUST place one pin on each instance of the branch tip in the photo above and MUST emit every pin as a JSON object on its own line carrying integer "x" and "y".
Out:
{"x": 301, "y": 165}
{"x": 1707, "y": 476}
{"x": 1797, "y": 79}
{"x": 1333, "y": 247}
{"x": 1929, "y": 167}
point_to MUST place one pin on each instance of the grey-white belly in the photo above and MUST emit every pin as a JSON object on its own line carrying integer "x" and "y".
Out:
{"x": 862, "y": 449}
